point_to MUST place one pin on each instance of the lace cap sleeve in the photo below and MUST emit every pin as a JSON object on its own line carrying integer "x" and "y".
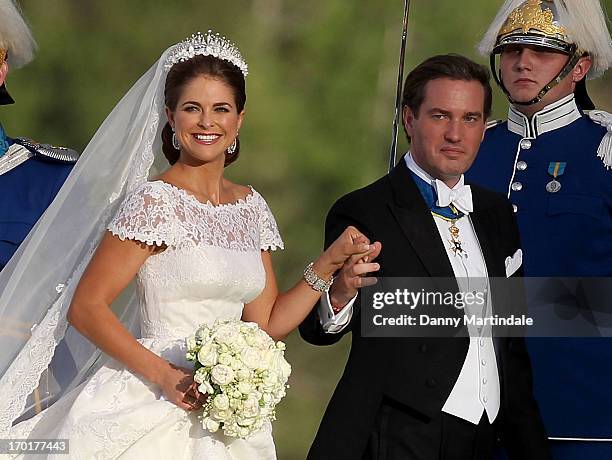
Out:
{"x": 146, "y": 215}
{"x": 269, "y": 236}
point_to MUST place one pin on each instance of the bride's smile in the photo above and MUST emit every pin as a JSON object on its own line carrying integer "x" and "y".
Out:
{"x": 206, "y": 119}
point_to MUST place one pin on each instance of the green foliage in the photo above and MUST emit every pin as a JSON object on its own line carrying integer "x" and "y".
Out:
{"x": 320, "y": 102}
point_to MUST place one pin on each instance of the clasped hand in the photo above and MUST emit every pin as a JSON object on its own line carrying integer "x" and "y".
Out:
{"x": 352, "y": 256}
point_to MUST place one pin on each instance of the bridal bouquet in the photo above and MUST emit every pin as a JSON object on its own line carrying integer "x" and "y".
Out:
{"x": 244, "y": 373}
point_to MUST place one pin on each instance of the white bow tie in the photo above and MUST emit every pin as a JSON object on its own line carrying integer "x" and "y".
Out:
{"x": 460, "y": 197}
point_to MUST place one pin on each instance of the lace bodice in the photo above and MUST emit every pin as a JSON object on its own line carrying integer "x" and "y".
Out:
{"x": 212, "y": 263}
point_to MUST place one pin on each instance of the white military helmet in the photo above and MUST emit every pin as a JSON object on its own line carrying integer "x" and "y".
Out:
{"x": 573, "y": 27}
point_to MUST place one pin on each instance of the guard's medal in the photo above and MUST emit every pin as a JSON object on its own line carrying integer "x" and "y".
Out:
{"x": 555, "y": 169}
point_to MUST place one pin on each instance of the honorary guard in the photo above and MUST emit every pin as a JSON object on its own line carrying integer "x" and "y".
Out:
{"x": 31, "y": 174}
{"x": 552, "y": 158}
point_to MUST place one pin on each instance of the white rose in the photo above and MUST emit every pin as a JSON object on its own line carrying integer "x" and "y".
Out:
{"x": 250, "y": 407}
{"x": 236, "y": 364}
{"x": 221, "y": 402}
{"x": 277, "y": 363}
{"x": 202, "y": 334}
{"x": 210, "y": 424}
{"x": 245, "y": 387}
{"x": 220, "y": 415}
{"x": 252, "y": 340}
{"x": 227, "y": 334}
{"x": 251, "y": 357}
{"x": 239, "y": 343}
{"x": 270, "y": 382}
{"x": 221, "y": 374}
{"x": 207, "y": 355}
{"x": 243, "y": 374}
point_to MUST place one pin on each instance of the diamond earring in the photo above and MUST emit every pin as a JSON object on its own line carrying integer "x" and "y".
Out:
{"x": 232, "y": 148}
{"x": 175, "y": 142}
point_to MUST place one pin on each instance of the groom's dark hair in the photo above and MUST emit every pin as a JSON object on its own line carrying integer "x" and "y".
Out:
{"x": 451, "y": 66}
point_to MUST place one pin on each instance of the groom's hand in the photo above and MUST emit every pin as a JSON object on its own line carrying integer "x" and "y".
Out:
{"x": 354, "y": 275}
{"x": 351, "y": 243}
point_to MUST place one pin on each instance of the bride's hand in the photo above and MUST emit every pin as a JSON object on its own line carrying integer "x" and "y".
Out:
{"x": 351, "y": 244}
{"x": 351, "y": 256}
{"x": 355, "y": 273}
{"x": 179, "y": 388}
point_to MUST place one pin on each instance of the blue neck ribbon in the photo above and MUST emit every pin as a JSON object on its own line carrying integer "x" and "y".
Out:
{"x": 428, "y": 192}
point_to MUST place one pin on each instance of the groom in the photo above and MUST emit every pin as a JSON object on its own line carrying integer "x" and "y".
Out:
{"x": 428, "y": 398}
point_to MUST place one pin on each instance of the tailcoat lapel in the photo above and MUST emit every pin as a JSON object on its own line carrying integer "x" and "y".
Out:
{"x": 417, "y": 224}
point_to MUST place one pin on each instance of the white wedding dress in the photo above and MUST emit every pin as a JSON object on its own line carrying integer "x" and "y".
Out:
{"x": 212, "y": 266}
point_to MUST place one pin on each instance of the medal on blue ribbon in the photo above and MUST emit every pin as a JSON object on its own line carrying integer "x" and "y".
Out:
{"x": 555, "y": 169}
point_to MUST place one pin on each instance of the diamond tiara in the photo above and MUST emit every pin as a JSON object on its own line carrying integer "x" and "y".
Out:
{"x": 206, "y": 45}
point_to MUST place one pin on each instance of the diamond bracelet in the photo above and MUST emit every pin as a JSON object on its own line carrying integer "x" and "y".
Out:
{"x": 315, "y": 281}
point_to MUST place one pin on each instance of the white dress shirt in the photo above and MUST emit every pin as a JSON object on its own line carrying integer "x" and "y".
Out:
{"x": 477, "y": 387}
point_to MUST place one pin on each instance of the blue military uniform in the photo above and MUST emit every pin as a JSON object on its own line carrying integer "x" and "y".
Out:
{"x": 30, "y": 176}
{"x": 566, "y": 231}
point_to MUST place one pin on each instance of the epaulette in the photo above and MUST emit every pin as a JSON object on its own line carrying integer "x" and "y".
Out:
{"x": 605, "y": 147}
{"x": 493, "y": 123}
{"x": 46, "y": 151}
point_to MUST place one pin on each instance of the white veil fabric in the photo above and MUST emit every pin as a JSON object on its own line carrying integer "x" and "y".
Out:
{"x": 42, "y": 356}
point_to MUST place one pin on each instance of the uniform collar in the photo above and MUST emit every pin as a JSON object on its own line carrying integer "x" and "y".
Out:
{"x": 554, "y": 116}
{"x": 5, "y": 141}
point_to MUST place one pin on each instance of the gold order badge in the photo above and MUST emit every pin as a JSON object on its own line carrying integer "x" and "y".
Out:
{"x": 456, "y": 245}
{"x": 532, "y": 16}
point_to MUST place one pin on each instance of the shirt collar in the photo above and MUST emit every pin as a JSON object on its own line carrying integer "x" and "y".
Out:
{"x": 416, "y": 169}
{"x": 554, "y": 116}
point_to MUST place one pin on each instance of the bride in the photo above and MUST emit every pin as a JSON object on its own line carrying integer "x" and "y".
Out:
{"x": 198, "y": 246}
